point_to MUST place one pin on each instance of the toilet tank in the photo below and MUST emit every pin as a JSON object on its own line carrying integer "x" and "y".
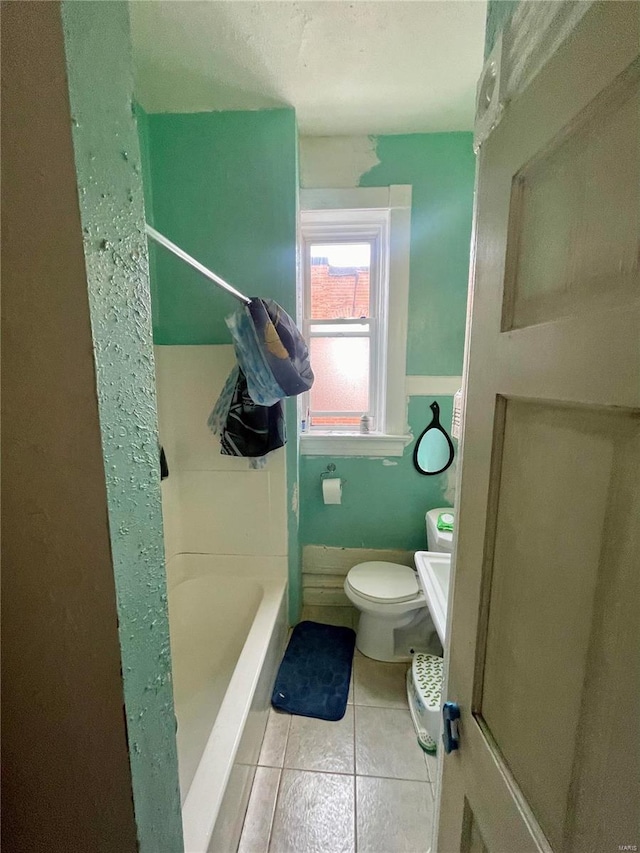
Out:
{"x": 439, "y": 540}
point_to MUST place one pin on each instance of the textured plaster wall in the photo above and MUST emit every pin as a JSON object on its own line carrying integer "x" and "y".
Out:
{"x": 499, "y": 12}
{"x": 223, "y": 186}
{"x": 112, "y": 211}
{"x": 66, "y": 782}
{"x": 384, "y": 501}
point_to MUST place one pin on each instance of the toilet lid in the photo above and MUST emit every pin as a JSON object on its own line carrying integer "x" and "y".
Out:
{"x": 384, "y": 582}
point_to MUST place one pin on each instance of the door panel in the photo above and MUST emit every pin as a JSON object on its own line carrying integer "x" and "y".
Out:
{"x": 573, "y": 240}
{"x": 561, "y": 479}
{"x": 544, "y": 639}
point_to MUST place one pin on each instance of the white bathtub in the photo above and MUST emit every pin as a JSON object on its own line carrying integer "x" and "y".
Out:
{"x": 227, "y": 619}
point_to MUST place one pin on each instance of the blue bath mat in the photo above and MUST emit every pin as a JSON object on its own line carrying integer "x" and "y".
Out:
{"x": 313, "y": 679}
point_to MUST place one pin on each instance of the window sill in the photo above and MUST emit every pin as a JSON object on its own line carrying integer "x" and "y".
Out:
{"x": 352, "y": 444}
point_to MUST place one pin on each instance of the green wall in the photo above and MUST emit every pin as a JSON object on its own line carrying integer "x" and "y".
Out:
{"x": 441, "y": 169}
{"x": 383, "y": 505}
{"x": 223, "y": 186}
{"x": 112, "y": 211}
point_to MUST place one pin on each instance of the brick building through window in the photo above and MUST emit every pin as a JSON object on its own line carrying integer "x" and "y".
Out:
{"x": 338, "y": 291}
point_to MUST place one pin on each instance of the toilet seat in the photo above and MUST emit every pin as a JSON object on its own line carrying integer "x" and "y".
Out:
{"x": 382, "y": 582}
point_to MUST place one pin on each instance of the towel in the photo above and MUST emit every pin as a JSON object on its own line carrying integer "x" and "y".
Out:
{"x": 282, "y": 347}
{"x": 244, "y": 427}
{"x": 273, "y": 363}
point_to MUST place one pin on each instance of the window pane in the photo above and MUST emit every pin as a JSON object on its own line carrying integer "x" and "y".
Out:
{"x": 341, "y": 368}
{"x": 336, "y": 329}
{"x": 340, "y": 280}
{"x": 333, "y": 421}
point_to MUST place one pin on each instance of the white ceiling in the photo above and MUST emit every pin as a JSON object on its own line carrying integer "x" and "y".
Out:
{"x": 348, "y": 67}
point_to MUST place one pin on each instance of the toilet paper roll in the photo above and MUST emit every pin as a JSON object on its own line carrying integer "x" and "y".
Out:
{"x": 332, "y": 490}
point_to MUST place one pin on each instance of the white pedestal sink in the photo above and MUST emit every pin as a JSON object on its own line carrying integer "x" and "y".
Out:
{"x": 434, "y": 570}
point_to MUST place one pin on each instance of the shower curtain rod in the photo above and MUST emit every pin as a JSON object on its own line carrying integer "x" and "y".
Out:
{"x": 164, "y": 241}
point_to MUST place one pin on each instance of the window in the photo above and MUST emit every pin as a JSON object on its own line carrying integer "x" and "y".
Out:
{"x": 355, "y": 285}
{"x": 345, "y": 318}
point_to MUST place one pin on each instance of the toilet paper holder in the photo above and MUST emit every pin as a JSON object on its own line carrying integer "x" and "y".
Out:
{"x": 330, "y": 472}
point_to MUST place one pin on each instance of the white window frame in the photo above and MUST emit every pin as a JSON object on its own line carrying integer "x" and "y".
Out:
{"x": 382, "y": 216}
{"x": 353, "y": 226}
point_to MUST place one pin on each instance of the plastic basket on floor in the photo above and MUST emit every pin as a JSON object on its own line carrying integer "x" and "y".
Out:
{"x": 424, "y": 689}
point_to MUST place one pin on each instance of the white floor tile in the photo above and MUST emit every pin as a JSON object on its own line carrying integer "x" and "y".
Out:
{"x": 257, "y": 823}
{"x": 314, "y": 814}
{"x": 321, "y": 745}
{"x": 386, "y": 745}
{"x": 383, "y": 685}
{"x": 394, "y": 816}
{"x": 275, "y": 739}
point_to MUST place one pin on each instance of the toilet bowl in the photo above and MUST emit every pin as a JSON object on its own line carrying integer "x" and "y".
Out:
{"x": 394, "y": 617}
{"x": 392, "y": 608}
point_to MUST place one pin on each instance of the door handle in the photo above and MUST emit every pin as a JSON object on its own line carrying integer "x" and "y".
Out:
{"x": 450, "y": 736}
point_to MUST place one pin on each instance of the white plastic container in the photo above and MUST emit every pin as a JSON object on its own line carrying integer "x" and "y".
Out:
{"x": 424, "y": 688}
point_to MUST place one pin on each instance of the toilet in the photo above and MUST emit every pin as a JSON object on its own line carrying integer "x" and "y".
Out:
{"x": 394, "y": 618}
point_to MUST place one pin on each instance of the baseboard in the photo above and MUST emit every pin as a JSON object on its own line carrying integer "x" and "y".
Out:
{"x": 324, "y": 569}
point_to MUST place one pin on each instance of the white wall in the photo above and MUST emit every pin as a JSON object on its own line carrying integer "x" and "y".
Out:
{"x": 212, "y": 504}
{"x": 335, "y": 161}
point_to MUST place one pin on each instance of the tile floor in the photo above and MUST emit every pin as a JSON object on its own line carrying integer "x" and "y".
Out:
{"x": 361, "y": 784}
